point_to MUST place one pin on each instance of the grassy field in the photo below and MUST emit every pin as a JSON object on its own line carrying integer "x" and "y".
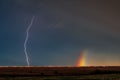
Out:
{"x": 60, "y": 73}
{"x": 88, "y": 77}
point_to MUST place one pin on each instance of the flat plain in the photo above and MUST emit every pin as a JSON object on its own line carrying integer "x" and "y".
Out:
{"x": 60, "y": 73}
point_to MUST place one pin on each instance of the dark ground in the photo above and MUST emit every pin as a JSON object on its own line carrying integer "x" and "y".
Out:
{"x": 60, "y": 73}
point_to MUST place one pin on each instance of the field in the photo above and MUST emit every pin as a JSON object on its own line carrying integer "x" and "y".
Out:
{"x": 60, "y": 73}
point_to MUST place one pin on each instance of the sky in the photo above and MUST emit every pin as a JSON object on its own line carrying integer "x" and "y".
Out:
{"x": 61, "y": 30}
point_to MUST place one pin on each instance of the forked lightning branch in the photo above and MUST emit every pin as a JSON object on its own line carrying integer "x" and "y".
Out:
{"x": 26, "y": 40}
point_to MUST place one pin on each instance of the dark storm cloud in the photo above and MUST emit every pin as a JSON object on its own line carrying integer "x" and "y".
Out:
{"x": 95, "y": 23}
{"x": 33, "y": 7}
{"x": 60, "y": 27}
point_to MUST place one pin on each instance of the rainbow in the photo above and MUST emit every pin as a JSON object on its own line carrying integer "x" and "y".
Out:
{"x": 81, "y": 61}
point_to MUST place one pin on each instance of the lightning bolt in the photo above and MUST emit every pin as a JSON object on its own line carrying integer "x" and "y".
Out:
{"x": 26, "y": 40}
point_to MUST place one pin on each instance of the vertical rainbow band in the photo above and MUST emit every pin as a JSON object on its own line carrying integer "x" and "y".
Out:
{"x": 81, "y": 61}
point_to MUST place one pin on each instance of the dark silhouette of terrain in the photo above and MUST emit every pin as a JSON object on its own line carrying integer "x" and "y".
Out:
{"x": 57, "y": 71}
